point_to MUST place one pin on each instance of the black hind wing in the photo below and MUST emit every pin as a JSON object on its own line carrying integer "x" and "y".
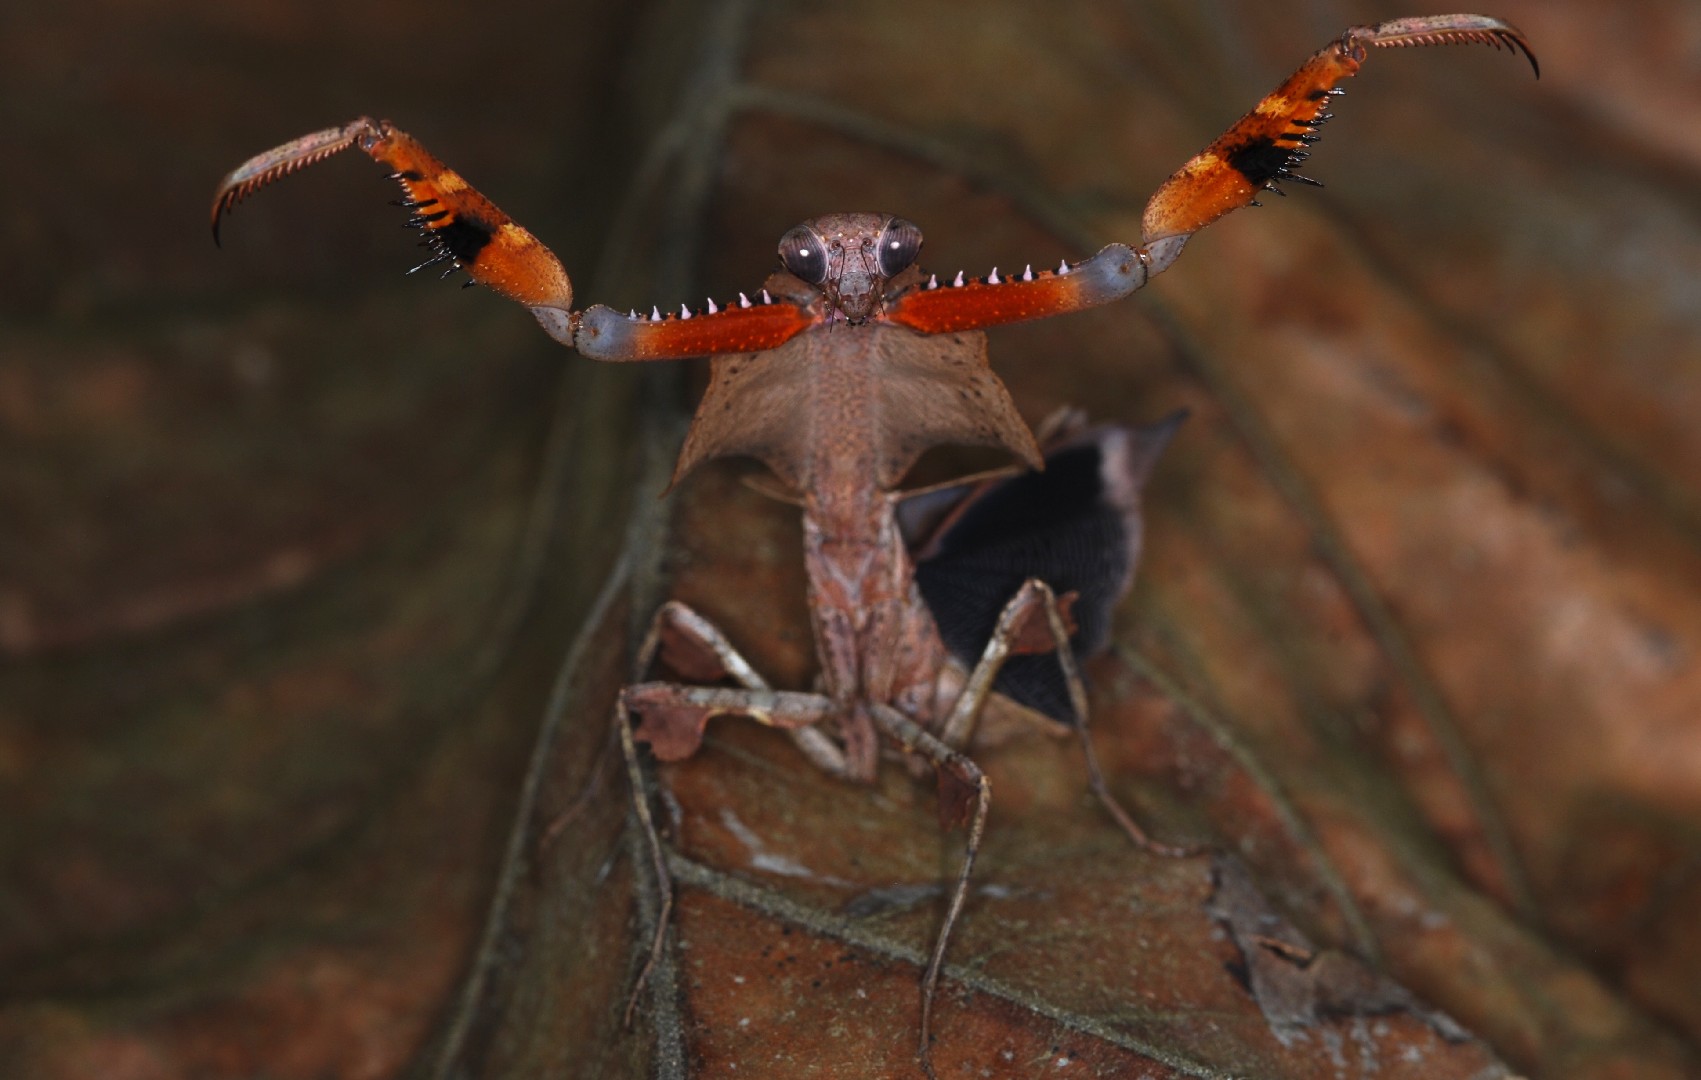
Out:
{"x": 1076, "y": 526}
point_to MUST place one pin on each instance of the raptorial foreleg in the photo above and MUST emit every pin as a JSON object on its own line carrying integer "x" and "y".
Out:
{"x": 460, "y": 228}
{"x": 1256, "y": 154}
{"x": 463, "y": 230}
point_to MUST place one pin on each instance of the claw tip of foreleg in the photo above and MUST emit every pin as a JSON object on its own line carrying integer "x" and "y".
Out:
{"x": 1447, "y": 30}
{"x": 277, "y": 163}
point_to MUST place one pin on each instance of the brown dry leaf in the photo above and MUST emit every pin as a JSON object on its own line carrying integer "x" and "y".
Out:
{"x": 303, "y": 557}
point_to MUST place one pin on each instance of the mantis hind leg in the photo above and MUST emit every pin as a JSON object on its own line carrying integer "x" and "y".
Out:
{"x": 698, "y": 650}
{"x": 960, "y": 781}
{"x": 1034, "y": 620}
{"x": 672, "y": 717}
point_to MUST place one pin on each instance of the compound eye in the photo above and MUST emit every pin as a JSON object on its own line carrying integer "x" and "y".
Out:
{"x": 900, "y": 243}
{"x": 804, "y": 254}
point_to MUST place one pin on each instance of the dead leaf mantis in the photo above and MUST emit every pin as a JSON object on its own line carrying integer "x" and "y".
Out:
{"x": 845, "y": 366}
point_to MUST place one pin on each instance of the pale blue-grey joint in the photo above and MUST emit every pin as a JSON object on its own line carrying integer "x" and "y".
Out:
{"x": 1160, "y": 253}
{"x": 556, "y": 322}
{"x": 1118, "y": 269}
{"x": 606, "y": 334}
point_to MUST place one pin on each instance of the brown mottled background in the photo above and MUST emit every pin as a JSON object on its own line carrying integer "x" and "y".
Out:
{"x": 298, "y": 557}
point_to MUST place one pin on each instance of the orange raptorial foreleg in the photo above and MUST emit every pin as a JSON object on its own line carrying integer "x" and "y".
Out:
{"x": 277, "y": 163}
{"x": 1263, "y": 147}
{"x": 1258, "y": 152}
{"x": 467, "y": 231}
{"x": 742, "y": 325}
{"x": 460, "y": 226}
{"x": 970, "y": 303}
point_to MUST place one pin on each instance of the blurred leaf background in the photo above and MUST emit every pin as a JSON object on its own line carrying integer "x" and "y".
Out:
{"x": 316, "y": 581}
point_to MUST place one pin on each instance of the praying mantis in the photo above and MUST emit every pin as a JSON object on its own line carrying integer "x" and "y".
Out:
{"x": 930, "y": 611}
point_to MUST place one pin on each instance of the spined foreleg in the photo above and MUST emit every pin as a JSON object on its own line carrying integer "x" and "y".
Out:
{"x": 464, "y": 230}
{"x": 1256, "y": 154}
